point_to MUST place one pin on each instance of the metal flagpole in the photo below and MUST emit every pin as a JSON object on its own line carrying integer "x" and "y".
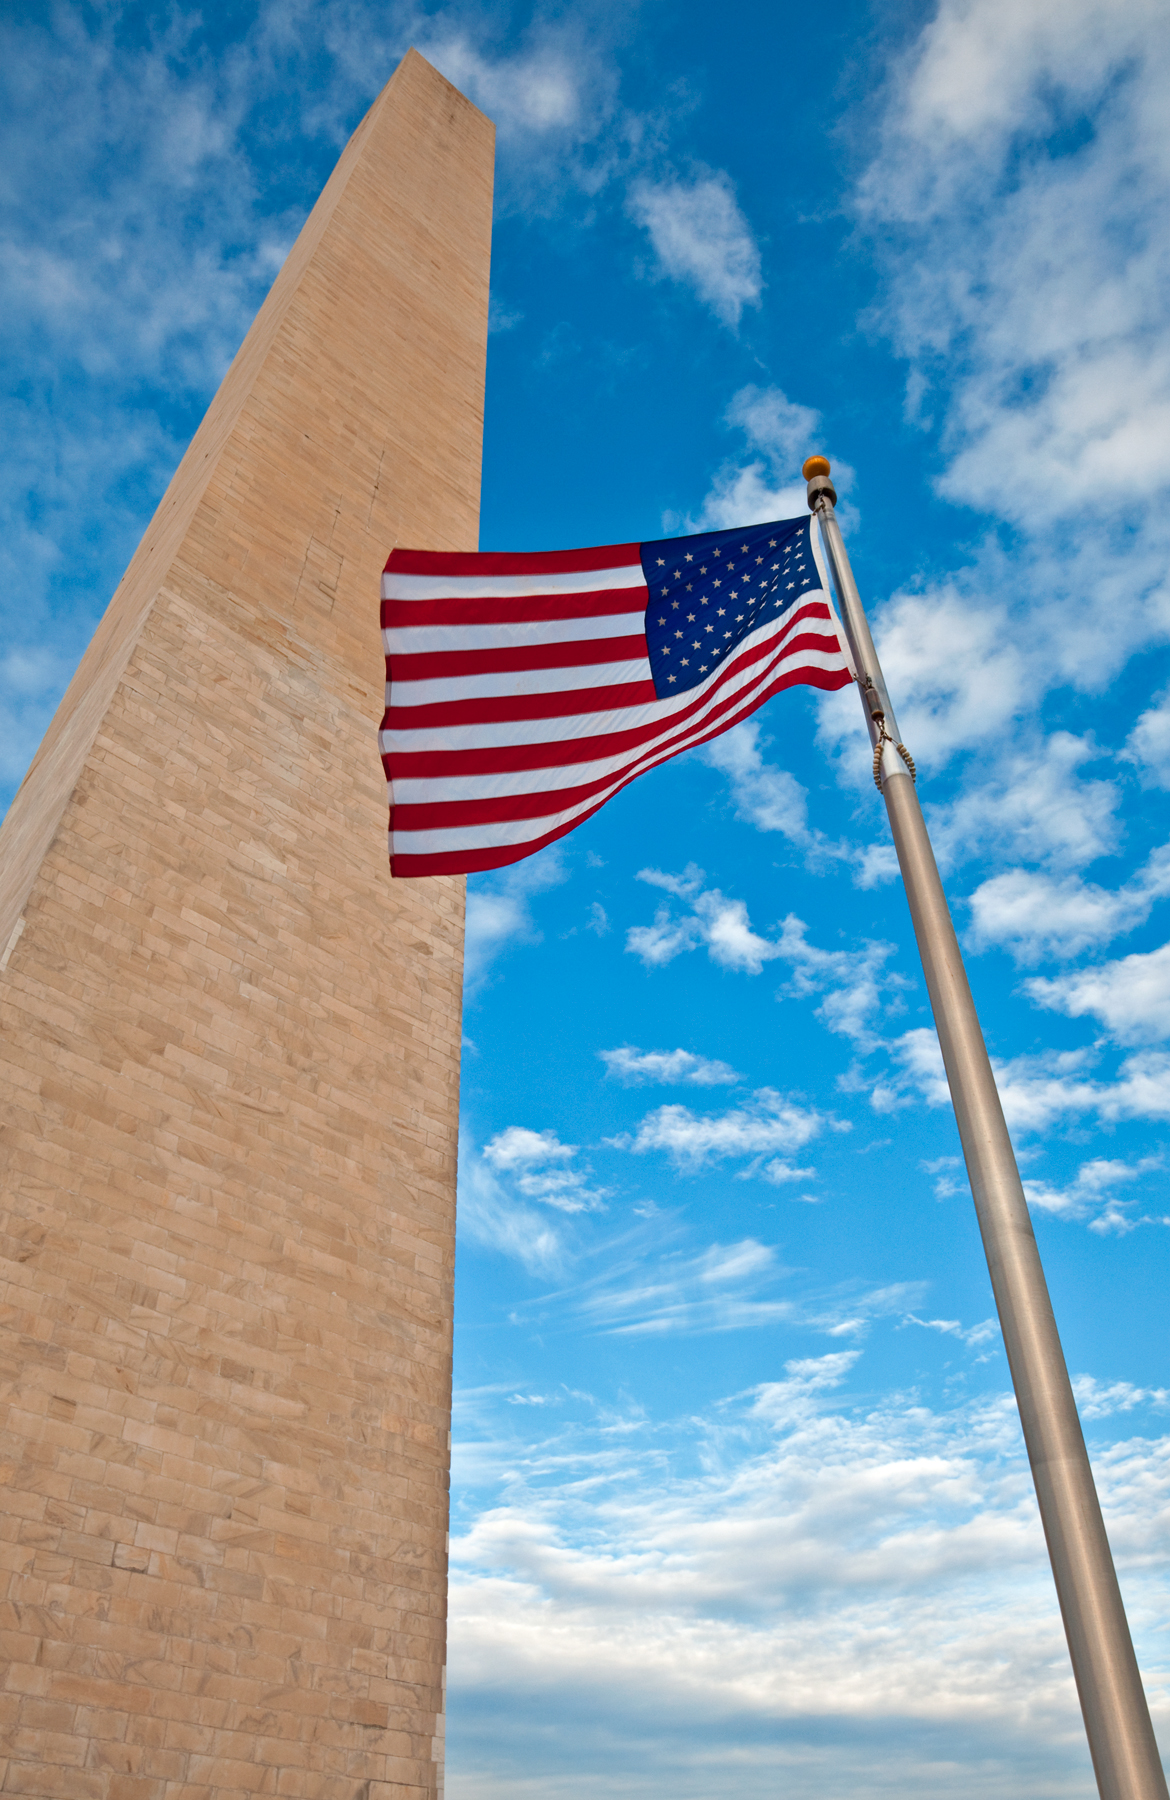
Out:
{"x": 1117, "y": 1719}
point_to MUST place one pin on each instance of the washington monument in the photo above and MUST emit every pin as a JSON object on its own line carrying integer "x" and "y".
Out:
{"x": 229, "y": 1065}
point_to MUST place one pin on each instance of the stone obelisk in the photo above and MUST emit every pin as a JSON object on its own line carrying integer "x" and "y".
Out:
{"x": 229, "y": 1058}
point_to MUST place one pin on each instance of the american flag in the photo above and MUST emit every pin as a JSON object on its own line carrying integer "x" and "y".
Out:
{"x": 522, "y": 691}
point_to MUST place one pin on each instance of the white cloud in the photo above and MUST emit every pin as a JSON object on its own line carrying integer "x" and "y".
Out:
{"x": 836, "y": 1589}
{"x": 1148, "y": 744}
{"x": 702, "y": 239}
{"x": 1035, "y": 915}
{"x": 598, "y": 921}
{"x": 765, "y": 1123}
{"x": 854, "y": 982}
{"x": 771, "y": 799}
{"x": 1033, "y": 803}
{"x": 1036, "y": 1091}
{"x": 1039, "y": 265}
{"x": 982, "y": 1333}
{"x": 780, "y": 433}
{"x": 539, "y": 1166}
{"x": 1131, "y": 996}
{"x": 644, "y": 1287}
{"x": 489, "y": 1215}
{"x": 529, "y": 94}
{"x": 857, "y": 980}
{"x": 1101, "y": 1399}
{"x": 1091, "y": 1194}
{"x": 499, "y": 913}
{"x": 640, "y": 1068}
{"x": 722, "y": 925}
{"x": 956, "y": 674}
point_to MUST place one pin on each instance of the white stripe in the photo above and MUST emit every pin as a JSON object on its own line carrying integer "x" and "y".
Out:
{"x": 498, "y": 684}
{"x": 528, "y": 830}
{"x": 420, "y": 639}
{"x": 591, "y": 724}
{"x": 615, "y": 771}
{"x": 484, "y": 837}
{"x": 509, "y": 587}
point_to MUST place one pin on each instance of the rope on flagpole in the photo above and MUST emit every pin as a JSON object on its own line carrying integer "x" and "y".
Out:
{"x": 884, "y": 738}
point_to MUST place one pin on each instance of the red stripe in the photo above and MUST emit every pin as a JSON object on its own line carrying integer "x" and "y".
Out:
{"x": 423, "y": 664}
{"x": 470, "y": 862}
{"x": 444, "y": 815}
{"x": 508, "y": 708}
{"x": 510, "y": 562}
{"x": 503, "y": 757}
{"x": 513, "y": 758}
{"x": 509, "y": 611}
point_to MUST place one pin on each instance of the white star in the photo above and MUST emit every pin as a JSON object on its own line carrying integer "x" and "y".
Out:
{"x": 686, "y": 662}
{"x": 672, "y": 678}
{"x": 696, "y": 645}
{"x": 771, "y": 543}
{"x": 703, "y": 570}
{"x": 743, "y": 546}
{"x": 690, "y": 618}
{"x": 678, "y": 634}
{"x": 702, "y": 668}
{"x": 792, "y": 584}
{"x": 662, "y": 562}
{"x": 690, "y": 558}
{"x": 723, "y": 609}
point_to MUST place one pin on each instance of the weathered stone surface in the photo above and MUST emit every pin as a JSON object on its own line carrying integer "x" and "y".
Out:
{"x": 229, "y": 1066}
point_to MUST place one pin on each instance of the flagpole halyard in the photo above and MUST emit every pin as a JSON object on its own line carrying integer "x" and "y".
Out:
{"x": 1117, "y": 1719}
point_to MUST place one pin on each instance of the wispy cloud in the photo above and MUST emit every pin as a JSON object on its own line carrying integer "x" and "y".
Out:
{"x": 763, "y": 481}
{"x": 662, "y": 1068}
{"x": 492, "y": 1216}
{"x": 1092, "y": 1194}
{"x": 702, "y": 239}
{"x": 831, "y": 1581}
{"x": 647, "y": 1286}
{"x": 766, "y": 1123}
{"x": 854, "y": 982}
{"x": 542, "y": 1168}
{"x": 1131, "y": 996}
{"x": 1037, "y": 1090}
{"x": 499, "y": 911}
{"x": 770, "y": 798}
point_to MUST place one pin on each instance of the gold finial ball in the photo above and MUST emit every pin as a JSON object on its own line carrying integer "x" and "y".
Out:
{"x": 816, "y": 465}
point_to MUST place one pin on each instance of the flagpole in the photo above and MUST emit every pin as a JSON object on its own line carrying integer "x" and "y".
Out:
{"x": 1113, "y": 1702}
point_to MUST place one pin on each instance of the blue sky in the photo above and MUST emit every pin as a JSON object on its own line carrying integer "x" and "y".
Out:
{"x": 740, "y": 1503}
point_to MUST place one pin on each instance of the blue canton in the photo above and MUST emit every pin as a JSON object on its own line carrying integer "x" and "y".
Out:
{"x": 709, "y": 591}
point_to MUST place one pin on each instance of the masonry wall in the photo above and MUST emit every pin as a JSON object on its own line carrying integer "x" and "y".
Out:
{"x": 229, "y": 1066}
